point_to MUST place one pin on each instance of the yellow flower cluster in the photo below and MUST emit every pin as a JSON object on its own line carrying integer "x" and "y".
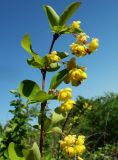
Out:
{"x": 75, "y": 76}
{"x": 81, "y": 38}
{"x": 73, "y": 146}
{"x": 66, "y": 95}
{"x": 67, "y": 105}
{"x": 78, "y": 49}
{"x": 53, "y": 57}
{"x": 81, "y": 47}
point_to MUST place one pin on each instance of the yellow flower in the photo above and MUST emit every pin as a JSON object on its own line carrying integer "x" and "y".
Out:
{"x": 67, "y": 105}
{"x": 65, "y": 94}
{"x": 75, "y": 25}
{"x": 93, "y": 45}
{"x": 53, "y": 57}
{"x": 70, "y": 151}
{"x": 62, "y": 144}
{"x": 80, "y": 140}
{"x": 76, "y": 76}
{"x": 82, "y": 38}
{"x": 70, "y": 139}
{"x": 80, "y": 149}
{"x": 71, "y": 63}
{"x": 78, "y": 50}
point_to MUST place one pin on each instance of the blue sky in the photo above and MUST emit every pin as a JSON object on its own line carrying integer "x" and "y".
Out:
{"x": 98, "y": 19}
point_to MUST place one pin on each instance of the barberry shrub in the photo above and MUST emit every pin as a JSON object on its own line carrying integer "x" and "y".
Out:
{"x": 67, "y": 71}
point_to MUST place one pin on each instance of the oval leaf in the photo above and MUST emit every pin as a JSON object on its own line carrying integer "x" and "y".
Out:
{"x": 26, "y": 44}
{"x": 33, "y": 153}
{"x": 56, "y": 118}
{"x": 12, "y": 153}
{"x": 68, "y": 12}
{"x": 53, "y": 17}
{"x": 40, "y": 96}
{"x": 56, "y": 130}
{"x": 36, "y": 152}
{"x": 58, "y": 78}
{"x": 28, "y": 89}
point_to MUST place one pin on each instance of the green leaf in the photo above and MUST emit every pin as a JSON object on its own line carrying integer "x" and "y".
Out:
{"x": 26, "y": 44}
{"x": 37, "y": 62}
{"x": 37, "y": 127}
{"x": 61, "y": 29}
{"x": 36, "y": 152}
{"x": 56, "y": 118}
{"x": 12, "y": 153}
{"x": 47, "y": 123}
{"x": 28, "y": 89}
{"x": 32, "y": 63}
{"x": 40, "y": 61}
{"x": 48, "y": 156}
{"x": 68, "y": 12}
{"x": 41, "y": 96}
{"x": 58, "y": 78}
{"x": 28, "y": 154}
{"x": 32, "y": 154}
{"x": 53, "y": 17}
{"x": 62, "y": 54}
{"x": 56, "y": 130}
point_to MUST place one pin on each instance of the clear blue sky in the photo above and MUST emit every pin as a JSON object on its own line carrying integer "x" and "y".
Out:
{"x": 98, "y": 19}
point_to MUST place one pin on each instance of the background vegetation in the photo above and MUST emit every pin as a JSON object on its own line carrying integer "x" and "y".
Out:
{"x": 96, "y": 118}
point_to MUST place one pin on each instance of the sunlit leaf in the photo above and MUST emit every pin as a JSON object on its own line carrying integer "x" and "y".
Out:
{"x": 36, "y": 152}
{"x": 37, "y": 62}
{"x": 56, "y": 130}
{"x": 53, "y": 17}
{"x": 41, "y": 96}
{"x": 28, "y": 89}
{"x": 33, "y": 153}
{"x": 13, "y": 154}
{"x": 56, "y": 118}
{"x": 58, "y": 78}
{"x": 26, "y": 44}
{"x": 68, "y": 12}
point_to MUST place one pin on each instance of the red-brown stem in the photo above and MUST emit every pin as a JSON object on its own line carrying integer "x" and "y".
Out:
{"x": 43, "y": 104}
{"x": 42, "y": 111}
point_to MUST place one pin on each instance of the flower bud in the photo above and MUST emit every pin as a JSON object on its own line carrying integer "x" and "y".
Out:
{"x": 93, "y": 45}
{"x": 52, "y": 57}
